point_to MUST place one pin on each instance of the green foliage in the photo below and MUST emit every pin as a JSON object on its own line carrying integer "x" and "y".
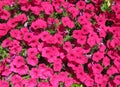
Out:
{"x": 8, "y": 8}
{"x": 77, "y": 25}
{"x": 118, "y": 48}
{"x": 42, "y": 14}
{"x": 38, "y": 56}
{"x": 76, "y": 85}
{"x": 31, "y": 18}
{"x": 59, "y": 15}
{"x": 3, "y": 53}
{"x": 26, "y": 77}
{"x": 106, "y": 5}
{"x": 68, "y": 38}
{"x": 109, "y": 36}
{"x": 94, "y": 49}
{"x": 52, "y": 32}
{"x": 23, "y": 53}
{"x": 88, "y": 1}
{"x": 11, "y": 85}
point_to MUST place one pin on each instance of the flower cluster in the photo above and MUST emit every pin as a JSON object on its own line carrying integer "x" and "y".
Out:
{"x": 59, "y": 43}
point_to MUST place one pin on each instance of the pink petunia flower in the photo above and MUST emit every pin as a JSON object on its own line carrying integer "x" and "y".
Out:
{"x": 4, "y": 28}
{"x": 97, "y": 68}
{"x": 5, "y": 15}
{"x": 97, "y": 56}
{"x": 44, "y": 36}
{"x": 4, "y": 83}
{"x": 17, "y": 80}
{"x": 32, "y": 52}
{"x": 18, "y": 61}
{"x": 73, "y": 11}
{"x": 117, "y": 80}
{"x": 57, "y": 65}
{"x": 112, "y": 70}
{"x": 32, "y": 82}
{"x": 67, "y": 22}
{"x": 59, "y": 38}
{"x": 106, "y": 61}
{"x": 81, "y": 4}
{"x": 6, "y": 43}
{"x": 67, "y": 46}
{"x": 32, "y": 60}
{"x": 35, "y": 9}
{"x": 48, "y": 8}
{"x": 44, "y": 84}
{"x": 44, "y": 71}
{"x": 34, "y": 73}
{"x": 38, "y": 24}
{"x": 16, "y": 34}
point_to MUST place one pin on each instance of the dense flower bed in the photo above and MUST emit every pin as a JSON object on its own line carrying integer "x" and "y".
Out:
{"x": 59, "y": 43}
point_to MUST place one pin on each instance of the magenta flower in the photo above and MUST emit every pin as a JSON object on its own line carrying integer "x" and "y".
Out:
{"x": 57, "y": 65}
{"x": 39, "y": 23}
{"x": 32, "y": 60}
{"x": 34, "y": 73}
{"x": 31, "y": 82}
{"x": 4, "y": 83}
{"x": 18, "y": 61}
{"x": 43, "y": 84}
{"x": 67, "y": 22}
{"x": 47, "y": 7}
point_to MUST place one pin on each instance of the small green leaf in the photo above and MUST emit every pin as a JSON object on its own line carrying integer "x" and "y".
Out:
{"x": 8, "y": 8}
{"x": 50, "y": 1}
{"x": 77, "y": 85}
{"x": 67, "y": 38}
{"x": 11, "y": 85}
{"x": 26, "y": 77}
{"x": 52, "y": 31}
{"x": 38, "y": 56}
{"x": 3, "y": 52}
{"x": 106, "y": 5}
{"x": 78, "y": 26}
{"x": 94, "y": 49}
{"x": 23, "y": 52}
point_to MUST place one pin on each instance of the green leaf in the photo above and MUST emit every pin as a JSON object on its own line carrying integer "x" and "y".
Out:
{"x": 23, "y": 52}
{"x": 77, "y": 85}
{"x": 3, "y": 52}
{"x": 41, "y": 15}
{"x": 88, "y": 1}
{"x": 67, "y": 38}
{"x": 106, "y": 5}
{"x": 52, "y": 31}
{"x": 38, "y": 56}
{"x": 78, "y": 26}
{"x": 31, "y": 18}
{"x": 8, "y": 8}
{"x": 11, "y": 85}
{"x": 50, "y": 1}
{"x": 94, "y": 49}
{"x": 26, "y": 77}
